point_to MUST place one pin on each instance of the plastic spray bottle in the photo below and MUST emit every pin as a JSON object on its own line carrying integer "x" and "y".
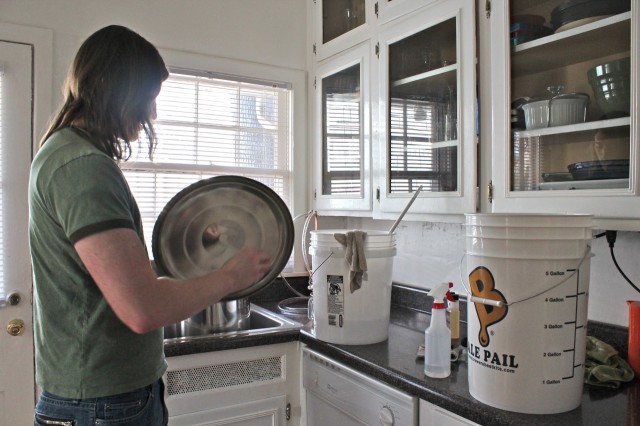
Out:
{"x": 437, "y": 337}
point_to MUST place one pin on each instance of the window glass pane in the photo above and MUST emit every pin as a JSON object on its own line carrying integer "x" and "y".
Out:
{"x": 342, "y": 139}
{"x": 423, "y": 111}
{"x": 417, "y": 156}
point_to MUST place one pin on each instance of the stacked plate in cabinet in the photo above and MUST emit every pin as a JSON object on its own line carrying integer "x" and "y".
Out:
{"x": 594, "y": 170}
{"x": 574, "y": 13}
{"x": 525, "y": 28}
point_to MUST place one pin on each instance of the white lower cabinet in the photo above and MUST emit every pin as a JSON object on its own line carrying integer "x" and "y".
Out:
{"x": 265, "y": 412}
{"x": 432, "y": 415}
{"x": 256, "y": 386}
{"x": 250, "y": 387}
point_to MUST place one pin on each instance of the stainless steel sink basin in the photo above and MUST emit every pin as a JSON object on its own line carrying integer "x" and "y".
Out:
{"x": 261, "y": 321}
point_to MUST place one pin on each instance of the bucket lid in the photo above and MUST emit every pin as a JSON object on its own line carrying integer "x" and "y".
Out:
{"x": 530, "y": 220}
{"x": 374, "y": 239}
{"x": 208, "y": 222}
{"x": 323, "y": 233}
{"x": 528, "y": 233}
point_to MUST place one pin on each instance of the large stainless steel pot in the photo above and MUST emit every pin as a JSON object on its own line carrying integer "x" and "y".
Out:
{"x": 206, "y": 224}
{"x": 221, "y": 317}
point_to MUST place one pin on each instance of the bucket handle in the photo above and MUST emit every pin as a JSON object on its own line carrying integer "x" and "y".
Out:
{"x": 310, "y": 308}
{"x": 499, "y": 303}
{"x": 322, "y": 263}
{"x": 312, "y": 214}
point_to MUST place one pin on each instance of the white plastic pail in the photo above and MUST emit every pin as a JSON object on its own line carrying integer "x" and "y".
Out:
{"x": 528, "y": 355}
{"x": 343, "y": 317}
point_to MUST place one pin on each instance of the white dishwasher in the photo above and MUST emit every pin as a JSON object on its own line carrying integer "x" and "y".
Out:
{"x": 340, "y": 396}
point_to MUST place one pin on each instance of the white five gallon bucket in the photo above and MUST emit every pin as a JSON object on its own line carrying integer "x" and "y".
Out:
{"x": 343, "y": 317}
{"x": 528, "y": 354}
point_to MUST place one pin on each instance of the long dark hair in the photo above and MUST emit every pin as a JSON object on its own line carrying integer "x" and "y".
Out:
{"x": 110, "y": 90}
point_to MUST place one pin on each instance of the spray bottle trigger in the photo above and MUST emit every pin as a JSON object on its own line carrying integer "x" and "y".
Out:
{"x": 449, "y": 295}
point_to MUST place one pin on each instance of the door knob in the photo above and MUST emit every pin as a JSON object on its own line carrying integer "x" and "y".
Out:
{"x": 15, "y": 327}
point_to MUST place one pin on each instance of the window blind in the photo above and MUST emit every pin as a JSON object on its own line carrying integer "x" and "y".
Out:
{"x": 343, "y": 160}
{"x": 342, "y": 142}
{"x": 210, "y": 125}
{"x": 416, "y": 158}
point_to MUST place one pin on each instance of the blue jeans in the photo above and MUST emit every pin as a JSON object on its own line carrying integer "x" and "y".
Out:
{"x": 141, "y": 407}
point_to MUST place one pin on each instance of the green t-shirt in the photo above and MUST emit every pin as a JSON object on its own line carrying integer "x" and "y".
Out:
{"x": 82, "y": 349}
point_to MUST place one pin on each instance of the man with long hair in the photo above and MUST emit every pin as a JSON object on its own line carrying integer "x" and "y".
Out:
{"x": 99, "y": 307}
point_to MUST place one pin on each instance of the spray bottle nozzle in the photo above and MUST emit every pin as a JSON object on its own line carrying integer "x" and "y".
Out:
{"x": 439, "y": 294}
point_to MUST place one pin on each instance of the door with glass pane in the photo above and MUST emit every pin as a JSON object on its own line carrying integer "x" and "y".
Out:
{"x": 343, "y": 137}
{"x": 340, "y": 24}
{"x": 427, "y": 118}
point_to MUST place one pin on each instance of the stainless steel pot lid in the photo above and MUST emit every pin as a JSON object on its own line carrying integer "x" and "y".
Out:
{"x": 208, "y": 222}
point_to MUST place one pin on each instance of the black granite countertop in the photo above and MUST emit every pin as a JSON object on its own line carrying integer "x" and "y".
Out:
{"x": 394, "y": 362}
{"x": 177, "y": 347}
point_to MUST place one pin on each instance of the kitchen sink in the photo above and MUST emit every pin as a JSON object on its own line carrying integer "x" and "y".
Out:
{"x": 261, "y": 321}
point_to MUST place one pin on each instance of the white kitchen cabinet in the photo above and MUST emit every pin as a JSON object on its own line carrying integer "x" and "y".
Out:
{"x": 425, "y": 127}
{"x": 432, "y": 415}
{"x": 249, "y": 386}
{"x": 530, "y": 167}
{"x": 342, "y": 123}
{"x": 265, "y": 412}
{"x": 414, "y": 112}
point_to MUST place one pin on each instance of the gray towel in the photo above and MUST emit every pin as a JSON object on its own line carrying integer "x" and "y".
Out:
{"x": 354, "y": 255}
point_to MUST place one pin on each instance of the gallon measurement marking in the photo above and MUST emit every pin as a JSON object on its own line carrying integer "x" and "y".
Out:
{"x": 577, "y": 327}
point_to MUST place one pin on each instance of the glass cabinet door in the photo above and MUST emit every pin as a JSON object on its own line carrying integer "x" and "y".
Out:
{"x": 341, "y": 24}
{"x": 570, "y": 114}
{"x": 427, "y": 73}
{"x": 340, "y": 17}
{"x": 568, "y": 103}
{"x": 342, "y": 115}
{"x": 422, "y": 137}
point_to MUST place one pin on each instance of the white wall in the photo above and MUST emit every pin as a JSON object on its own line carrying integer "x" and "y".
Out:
{"x": 271, "y": 32}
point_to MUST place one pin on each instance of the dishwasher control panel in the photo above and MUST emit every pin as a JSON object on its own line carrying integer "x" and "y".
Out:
{"x": 337, "y": 394}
